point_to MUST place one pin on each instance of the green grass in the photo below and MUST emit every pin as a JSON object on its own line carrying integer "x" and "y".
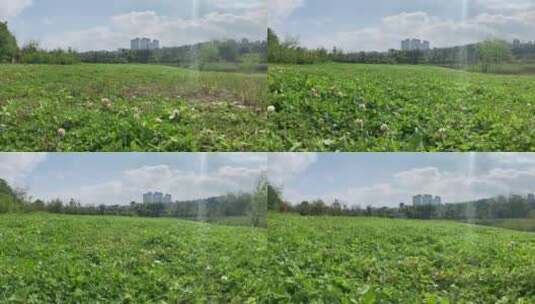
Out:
{"x": 48, "y": 258}
{"x": 523, "y": 224}
{"x": 358, "y": 107}
{"x": 74, "y": 259}
{"x": 507, "y": 69}
{"x": 370, "y": 260}
{"x": 218, "y": 111}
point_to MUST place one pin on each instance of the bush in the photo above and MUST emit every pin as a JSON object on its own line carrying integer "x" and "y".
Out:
{"x": 32, "y": 54}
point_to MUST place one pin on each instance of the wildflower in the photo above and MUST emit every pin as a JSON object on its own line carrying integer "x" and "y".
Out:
{"x": 61, "y": 132}
{"x": 174, "y": 115}
{"x": 271, "y": 109}
{"x": 224, "y": 278}
{"x": 328, "y": 142}
{"x": 362, "y": 106}
{"x": 158, "y": 120}
{"x": 441, "y": 132}
{"x": 384, "y": 128}
{"x": 360, "y": 123}
{"x": 106, "y": 102}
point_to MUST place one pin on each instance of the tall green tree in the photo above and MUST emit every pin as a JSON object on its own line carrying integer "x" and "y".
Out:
{"x": 491, "y": 52}
{"x": 8, "y": 44}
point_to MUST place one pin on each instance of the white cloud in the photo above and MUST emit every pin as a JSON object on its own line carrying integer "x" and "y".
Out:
{"x": 218, "y": 24}
{"x": 488, "y": 19}
{"x": 452, "y": 186}
{"x": 12, "y": 8}
{"x": 283, "y": 166}
{"x": 15, "y": 166}
{"x": 183, "y": 185}
{"x": 280, "y": 10}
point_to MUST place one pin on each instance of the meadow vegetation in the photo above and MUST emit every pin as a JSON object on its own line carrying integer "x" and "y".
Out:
{"x": 373, "y": 260}
{"x": 373, "y": 107}
{"x": 75, "y": 259}
{"x": 107, "y": 107}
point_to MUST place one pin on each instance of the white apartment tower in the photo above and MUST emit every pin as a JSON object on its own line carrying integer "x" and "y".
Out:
{"x": 157, "y": 197}
{"x": 415, "y": 44}
{"x": 141, "y": 44}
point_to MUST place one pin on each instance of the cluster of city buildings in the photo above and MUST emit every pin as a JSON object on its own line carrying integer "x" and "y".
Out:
{"x": 157, "y": 197}
{"x": 140, "y": 44}
{"x": 415, "y": 45}
{"x": 517, "y": 44}
{"x": 426, "y": 200}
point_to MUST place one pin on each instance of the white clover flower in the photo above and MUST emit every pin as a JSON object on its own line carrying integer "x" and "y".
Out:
{"x": 328, "y": 142}
{"x": 158, "y": 120}
{"x": 271, "y": 109}
{"x": 61, "y": 132}
{"x": 360, "y": 123}
{"x": 174, "y": 114}
{"x": 384, "y": 128}
{"x": 441, "y": 132}
{"x": 362, "y": 106}
{"x": 224, "y": 278}
{"x": 106, "y": 102}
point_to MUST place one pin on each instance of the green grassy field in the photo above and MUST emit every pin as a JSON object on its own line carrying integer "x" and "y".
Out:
{"x": 522, "y": 224}
{"x": 66, "y": 259}
{"x": 369, "y": 260}
{"x": 74, "y": 259}
{"x": 358, "y": 107}
{"x": 130, "y": 108}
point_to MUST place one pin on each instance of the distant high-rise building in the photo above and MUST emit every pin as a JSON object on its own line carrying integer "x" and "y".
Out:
{"x": 147, "y": 198}
{"x": 406, "y": 45}
{"x": 140, "y": 44}
{"x": 531, "y": 198}
{"x": 516, "y": 43}
{"x": 134, "y": 44}
{"x": 415, "y": 44}
{"x": 425, "y": 200}
{"x": 157, "y": 197}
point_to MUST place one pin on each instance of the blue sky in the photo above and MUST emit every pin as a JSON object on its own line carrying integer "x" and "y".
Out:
{"x": 109, "y": 178}
{"x": 382, "y": 24}
{"x": 379, "y": 179}
{"x": 386, "y": 179}
{"x": 99, "y": 24}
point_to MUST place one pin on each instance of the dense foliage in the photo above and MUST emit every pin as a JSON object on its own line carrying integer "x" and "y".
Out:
{"x": 482, "y": 56}
{"x": 32, "y": 54}
{"x": 8, "y": 44}
{"x": 369, "y": 260}
{"x": 250, "y": 207}
{"x": 501, "y": 207}
{"x": 10, "y": 199}
{"x": 73, "y": 259}
{"x": 104, "y": 107}
{"x": 358, "y": 107}
{"x": 228, "y": 55}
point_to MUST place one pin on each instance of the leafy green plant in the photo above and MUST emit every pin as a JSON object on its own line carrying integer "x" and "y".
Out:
{"x": 99, "y": 107}
{"x": 359, "y": 107}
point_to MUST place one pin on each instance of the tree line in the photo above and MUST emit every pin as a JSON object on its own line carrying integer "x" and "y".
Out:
{"x": 226, "y": 55}
{"x": 242, "y": 204}
{"x": 238, "y": 55}
{"x": 31, "y": 53}
{"x": 481, "y": 55}
{"x": 500, "y": 207}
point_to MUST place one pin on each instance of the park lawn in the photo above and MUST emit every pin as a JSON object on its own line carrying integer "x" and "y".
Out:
{"x": 361, "y": 107}
{"x": 216, "y": 111}
{"x": 374, "y": 260}
{"x": 48, "y": 258}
